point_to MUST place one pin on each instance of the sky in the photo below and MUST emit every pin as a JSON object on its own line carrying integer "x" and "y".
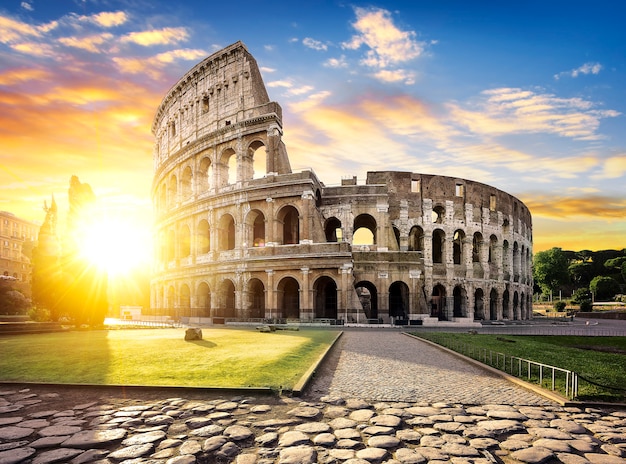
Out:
{"x": 527, "y": 96}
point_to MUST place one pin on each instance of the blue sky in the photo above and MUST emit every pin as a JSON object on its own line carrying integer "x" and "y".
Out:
{"x": 526, "y": 96}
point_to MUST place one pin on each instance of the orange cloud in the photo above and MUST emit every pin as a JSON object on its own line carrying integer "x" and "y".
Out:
{"x": 594, "y": 206}
{"x": 165, "y": 36}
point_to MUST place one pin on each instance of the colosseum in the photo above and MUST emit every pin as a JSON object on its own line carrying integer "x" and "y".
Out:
{"x": 243, "y": 238}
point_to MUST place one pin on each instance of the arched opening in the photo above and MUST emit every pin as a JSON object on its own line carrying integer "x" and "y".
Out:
{"x": 457, "y": 246}
{"x": 203, "y": 237}
{"x": 325, "y": 298}
{"x": 226, "y": 233}
{"x": 203, "y": 297}
{"x": 364, "y": 230}
{"x": 396, "y": 234}
{"x": 333, "y": 230}
{"x": 506, "y": 269}
{"x": 477, "y": 243}
{"x": 258, "y": 153}
{"x": 515, "y": 306}
{"x": 185, "y": 301}
{"x": 399, "y": 300}
{"x": 505, "y": 305}
{"x": 516, "y": 262}
{"x": 163, "y": 197}
{"x": 255, "y": 224}
{"x": 172, "y": 191}
{"x": 438, "y": 303}
{"x": 439, "y": 238}
{"x": 438, "y": 214}
{"x": 493, "y": 305}
{"x": 256, "y": 295}
{"x": 185, "y": 241}
{"x": 171, "y": 245}
{"x": 227, "y": 297}
{"x": 479, "y": 305}
{"x": 185, "y": 183}
{"x": 205, "y": 175}
{"x": 289, "y": 298}
{"x": 416, "y": 239}
{"x": 460, "y": 302}
{"x": 171, "y": 302}
{"x": 290, "y": 219}
{"x": 493, "y": 246}
{"x": 368, "y": 297}
{"x": 522, "y": 307}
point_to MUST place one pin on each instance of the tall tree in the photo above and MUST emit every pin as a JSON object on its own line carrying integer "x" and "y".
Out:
{"x": 550, "y": 269}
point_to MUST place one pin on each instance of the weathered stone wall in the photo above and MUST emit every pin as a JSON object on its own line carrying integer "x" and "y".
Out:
{"x": 239, "y": 238}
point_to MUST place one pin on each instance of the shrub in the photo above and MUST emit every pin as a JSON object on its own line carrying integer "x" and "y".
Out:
{"x": 604, "y": 288}
{"x": 586, "y": 306}
{"x": 559, "y": 306}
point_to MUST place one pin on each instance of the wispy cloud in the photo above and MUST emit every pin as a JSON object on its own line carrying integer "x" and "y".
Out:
{"x": 513, "y": 111}
{"x": 587, "y": 68}
{"x": 336, "y": 62}
{"x": 387, "y": 45}
{"x": 165, "y": 36}
{"x": 90, "y": 43}
{"x": 314, "y": 44}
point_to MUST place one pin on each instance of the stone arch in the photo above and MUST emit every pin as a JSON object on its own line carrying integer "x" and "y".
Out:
{"x": 255, "y": 228}
{"x": 493, "y": 305}
{"x": 362, "y": 224}
{"x": 289, "y": 217}
{"x": 203, "y": 237}
{"x": 396, "y": 235}
{"x": 416, "y": 239}
{"x": 438, "y": 302}
{"x": 477, "y": 243}
{"x": 186, "y": 183}
{"x": 226, "y": 233}
{"x": 203, "y": 298}
{"x": 479, "y": 304}
{"x": 399, "y": 300}
{"x": 227, "y": 299}
{"x": 516, "y": 305}
{"x": 258, "y": 158}
{"x": 162, "y": 203}
{"x": 256, "y": 298}
{"x": 184, "y": 302}
{"x": 457, "y": 246}
{"x": 506, "y": 268}
{"x": 368, "y": 297}
{"x": 438, "y": 214}
{"x": 289, "y": 298}
{"x": 171, "y": 245}
{"x": 493, "y": 247}
{"x": 459, "y": 295}
{"x": 506, "y": 305}
{"x": 171, "y": 299}
{"x": 325, "y": 298}
{"x": 172, "y": 191}
{"x": 516, "y": 262}
{"x": 228, "y": 167}
{"x": 438, "y": 248}
{"x": 332, "y": 229}
{"x": 205, "y": 175}
{"x": 184, "y": 241}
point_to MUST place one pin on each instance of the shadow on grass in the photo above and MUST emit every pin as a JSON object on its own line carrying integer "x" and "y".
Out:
{"x": 202, "y": 343}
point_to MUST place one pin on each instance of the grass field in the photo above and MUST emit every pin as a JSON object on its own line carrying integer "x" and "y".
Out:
{"x": 602, "y": 360}
{"x": 161, "y": 357}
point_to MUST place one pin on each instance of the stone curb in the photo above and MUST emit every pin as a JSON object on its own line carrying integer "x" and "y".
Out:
{"x": 559, "y": 399}
{"x": 304, "y": 381}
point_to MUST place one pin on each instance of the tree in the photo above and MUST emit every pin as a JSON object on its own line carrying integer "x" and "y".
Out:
{"x": 618, "y": 265}
{"x": 12, "y": 301}
{"x": 603, "y": 287}
{"x": 550, "y": 269}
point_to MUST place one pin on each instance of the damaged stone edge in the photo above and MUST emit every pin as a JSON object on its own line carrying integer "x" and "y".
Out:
{"x": 304, "y": 381}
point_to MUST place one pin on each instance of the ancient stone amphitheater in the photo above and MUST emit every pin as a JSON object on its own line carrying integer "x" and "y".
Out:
{"x": 241, "y": 237}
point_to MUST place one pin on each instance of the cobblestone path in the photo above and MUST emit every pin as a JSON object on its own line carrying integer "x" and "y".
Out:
{"x": 389, "y": 366}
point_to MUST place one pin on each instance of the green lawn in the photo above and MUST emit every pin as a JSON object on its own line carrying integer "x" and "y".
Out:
{"x": 602, "y": 360}
{"x": 224, "y": 358}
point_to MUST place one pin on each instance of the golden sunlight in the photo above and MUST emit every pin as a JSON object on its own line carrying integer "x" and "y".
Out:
{"x": 115, "y": 246}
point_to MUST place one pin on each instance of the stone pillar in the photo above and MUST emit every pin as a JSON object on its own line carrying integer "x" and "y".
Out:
{"x": 306, "y": 298}
{"x": 270, "y": 296}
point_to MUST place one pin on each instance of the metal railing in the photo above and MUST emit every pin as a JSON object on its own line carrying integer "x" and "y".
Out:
{"x": 545, "y": 375}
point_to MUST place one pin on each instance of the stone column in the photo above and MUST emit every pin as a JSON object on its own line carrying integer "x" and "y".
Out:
{"x": 270, "y": 296}
{"x": 306, "y": 307}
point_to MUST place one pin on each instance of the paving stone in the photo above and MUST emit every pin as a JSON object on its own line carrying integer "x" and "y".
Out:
{"x": 432, "y": 441}
{"x": 383, "y": 441}
{"x": 372, "y": 454}
{"x": 342, "y": 423}
{"x": 267, "y": 439}
{"x": 12, "y": 432}
{"x": 386, "y": 420}
{"x": 362, "y": 415}
{"x": 238, "y": 432}
{"x": 514, "y": 445}
{"x": 483, "y": 443}
{"x": 14, "y": 456}
{"x": 341, "y": 454}
{"x": 305, "y": 412}
{"x": 141, "y": 438}
{"x": 89, "y": 456}
{"x": 348, "y": 443}
{"x": 498, "y": 414}
{"x": 379, "y": 430}
{"x": 549, "y": 433}
{"x": 86, "y": 439}
{"x": 186, "y": 459}
{"x": 456, "y": 449}
{"x": 246, "y": 458}
{"x": 298, "y": 455}
{"x": 452, "y": 427}
{"x": 214, "y": 443}
{"x": 56, "y": 455}
{"x": 567, "y": 426}
{"x": 49, "y": 442}
{"x": 313, "y": 427}
{"x": 408, "y": 436}
{"x": 207, "y": 431}
{"x": 293, "y": 438}
{"x": 190, "y": 447}
{"x": 347, "y": 433}
{"x": 533, "y": 455}
{"x": 409, "y": 456}
{"x": 597, "y": 458}
{"x": 129, "y": 452}
{"x": 501, "y": 426}
{"x": 10, "y": 420}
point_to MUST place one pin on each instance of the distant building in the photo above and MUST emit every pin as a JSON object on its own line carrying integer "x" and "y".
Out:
{"x": 242, "y": 237}
{"x": 17, "y": 237}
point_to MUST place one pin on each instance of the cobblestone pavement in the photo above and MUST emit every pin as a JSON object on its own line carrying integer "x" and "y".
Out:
{"x": 379, "y": 365}
{"x": 338, "y": 422}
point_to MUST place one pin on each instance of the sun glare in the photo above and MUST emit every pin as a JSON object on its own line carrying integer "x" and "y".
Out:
{"x": 115, "y": 246}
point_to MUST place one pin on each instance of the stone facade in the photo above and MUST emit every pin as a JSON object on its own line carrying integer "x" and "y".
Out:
{"x": 241, "y": 236}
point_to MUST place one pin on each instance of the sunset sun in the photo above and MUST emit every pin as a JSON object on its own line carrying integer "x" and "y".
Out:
{"x": 115, "y": 246}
